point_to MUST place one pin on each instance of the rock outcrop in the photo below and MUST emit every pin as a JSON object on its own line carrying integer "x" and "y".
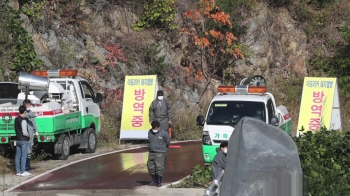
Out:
{"x": 276, "y": 46}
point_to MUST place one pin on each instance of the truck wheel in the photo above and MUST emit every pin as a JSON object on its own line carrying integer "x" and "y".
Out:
{"x": 92, "y": 141}
{"x": 65, "y": 149}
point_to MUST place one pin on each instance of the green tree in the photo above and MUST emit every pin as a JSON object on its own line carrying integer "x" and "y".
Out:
{"x": 17, "y": 51}
{"x": 157, "y": 13}
{"x": 155, "y": 61}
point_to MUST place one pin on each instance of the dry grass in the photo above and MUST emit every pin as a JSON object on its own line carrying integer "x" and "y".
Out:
{"x": 5, "y": 166}
{"x": 289, "y": 94}
{"x": 110, "y": 128}
{"x": 185, "y": 116}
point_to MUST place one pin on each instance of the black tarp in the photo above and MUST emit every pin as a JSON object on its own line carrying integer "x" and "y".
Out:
{"x": 262, "y": 160}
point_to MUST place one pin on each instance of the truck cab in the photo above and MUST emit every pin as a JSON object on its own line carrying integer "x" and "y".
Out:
{"x": 67, "y": 110}
{"x": 230, "y": 105}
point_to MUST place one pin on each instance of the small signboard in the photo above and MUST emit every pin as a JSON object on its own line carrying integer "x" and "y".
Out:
{"x": 320, "y": 106}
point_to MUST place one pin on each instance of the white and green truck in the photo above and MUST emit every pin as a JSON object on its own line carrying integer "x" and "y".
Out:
{"x": 235, "y": 102}
{"x": 68, "y": 113}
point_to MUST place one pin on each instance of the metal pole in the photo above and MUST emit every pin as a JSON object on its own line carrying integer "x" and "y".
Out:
{"x": 26, "y": 93}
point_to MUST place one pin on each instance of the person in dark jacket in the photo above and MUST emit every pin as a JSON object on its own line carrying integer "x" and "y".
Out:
{"x": 159, "y": 141}
{"x": 219, "y": 161}
{"x": 161, "y": 111}
{"x": 22, "y": 141}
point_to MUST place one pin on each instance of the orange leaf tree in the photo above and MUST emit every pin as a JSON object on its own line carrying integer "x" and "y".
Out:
{"x": 218, "y": 45}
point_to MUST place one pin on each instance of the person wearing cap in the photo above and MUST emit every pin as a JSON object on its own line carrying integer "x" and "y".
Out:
{"x": 160, "y": 110}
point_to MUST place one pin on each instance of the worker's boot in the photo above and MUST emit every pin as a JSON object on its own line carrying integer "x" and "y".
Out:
{"x": 154, "y": 180}
{"x": 159, "y": 183}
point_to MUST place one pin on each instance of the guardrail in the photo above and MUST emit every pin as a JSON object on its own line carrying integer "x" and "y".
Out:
{"x": 214, "y": 188}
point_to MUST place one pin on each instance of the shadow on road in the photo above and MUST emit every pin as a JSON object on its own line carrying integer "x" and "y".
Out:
{"x": 143, "y": 182}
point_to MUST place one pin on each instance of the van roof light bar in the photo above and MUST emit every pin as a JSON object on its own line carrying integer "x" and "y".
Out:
{"x": 242, "y": 89}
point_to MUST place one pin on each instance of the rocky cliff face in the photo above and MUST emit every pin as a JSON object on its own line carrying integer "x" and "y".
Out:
{"x": 276, "y": 47}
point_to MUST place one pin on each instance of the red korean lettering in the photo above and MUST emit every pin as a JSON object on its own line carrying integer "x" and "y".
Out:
{"x": 137, "y": 121}
{"x": 314, "y": 124}
{"x": 138, "y": 107}
{"x": 139, "y": 94}
{"x": 318, "y": 97}
{"x": 314, "y": 128}
{"x": 316, "y": 109}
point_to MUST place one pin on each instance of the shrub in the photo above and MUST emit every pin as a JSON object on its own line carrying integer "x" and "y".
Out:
{"x": 34, "y": 10}
{"x": 279, "y": 3}
{"x": 325, "y": 160}
{"x": 200, "y": 177}
{"x": 157, "y": 13}
{"x": 155, "y": 62}
{"x": 4, "y": 165}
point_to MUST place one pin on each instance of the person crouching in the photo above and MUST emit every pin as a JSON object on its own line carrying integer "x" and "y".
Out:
{"x": 159, "y": 141}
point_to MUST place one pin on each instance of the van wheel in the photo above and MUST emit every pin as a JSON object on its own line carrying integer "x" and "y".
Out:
{"x": 92, "y": 141}
{"x": 65, "y": 149}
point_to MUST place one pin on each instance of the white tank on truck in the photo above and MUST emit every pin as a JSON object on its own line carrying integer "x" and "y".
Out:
{"x": 232, "y": 103}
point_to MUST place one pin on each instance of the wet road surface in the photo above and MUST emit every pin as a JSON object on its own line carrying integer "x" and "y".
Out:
{"x": 122, "y": 170}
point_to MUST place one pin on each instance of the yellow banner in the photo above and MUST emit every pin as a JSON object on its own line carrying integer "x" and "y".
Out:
{"x": 139, "y": 92}
{"x": 316, "y": 103}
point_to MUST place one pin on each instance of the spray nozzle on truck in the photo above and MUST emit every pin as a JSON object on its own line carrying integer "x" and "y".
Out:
{"x": 67, "y": 111}
{"x": 232, "y": 103}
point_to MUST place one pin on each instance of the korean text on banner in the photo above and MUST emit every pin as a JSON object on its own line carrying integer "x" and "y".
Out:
{"x": 316, "y": 103}
{"x": 139, "y": 92}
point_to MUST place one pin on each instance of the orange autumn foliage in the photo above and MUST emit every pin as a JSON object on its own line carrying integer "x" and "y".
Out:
{"x": 210, "y": 11}
{"x": 192, "y": 74}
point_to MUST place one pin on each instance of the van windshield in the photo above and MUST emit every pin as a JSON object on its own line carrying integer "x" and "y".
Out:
{"x": 230, "y": 112}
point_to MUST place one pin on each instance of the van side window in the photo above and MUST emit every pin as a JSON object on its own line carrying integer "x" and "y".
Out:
{"x": 270, "y": 110}
{"x": 87, "y": 91}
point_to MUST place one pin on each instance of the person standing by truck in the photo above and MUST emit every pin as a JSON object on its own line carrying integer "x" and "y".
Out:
{"x": 160, "y": 110}
{"x": 22, "y": 142}
{"x": 32, "y": 130}
{"x": 159, "y": 141}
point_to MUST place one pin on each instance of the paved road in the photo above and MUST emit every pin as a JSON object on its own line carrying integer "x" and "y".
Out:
{"x": 124, "y": 170}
